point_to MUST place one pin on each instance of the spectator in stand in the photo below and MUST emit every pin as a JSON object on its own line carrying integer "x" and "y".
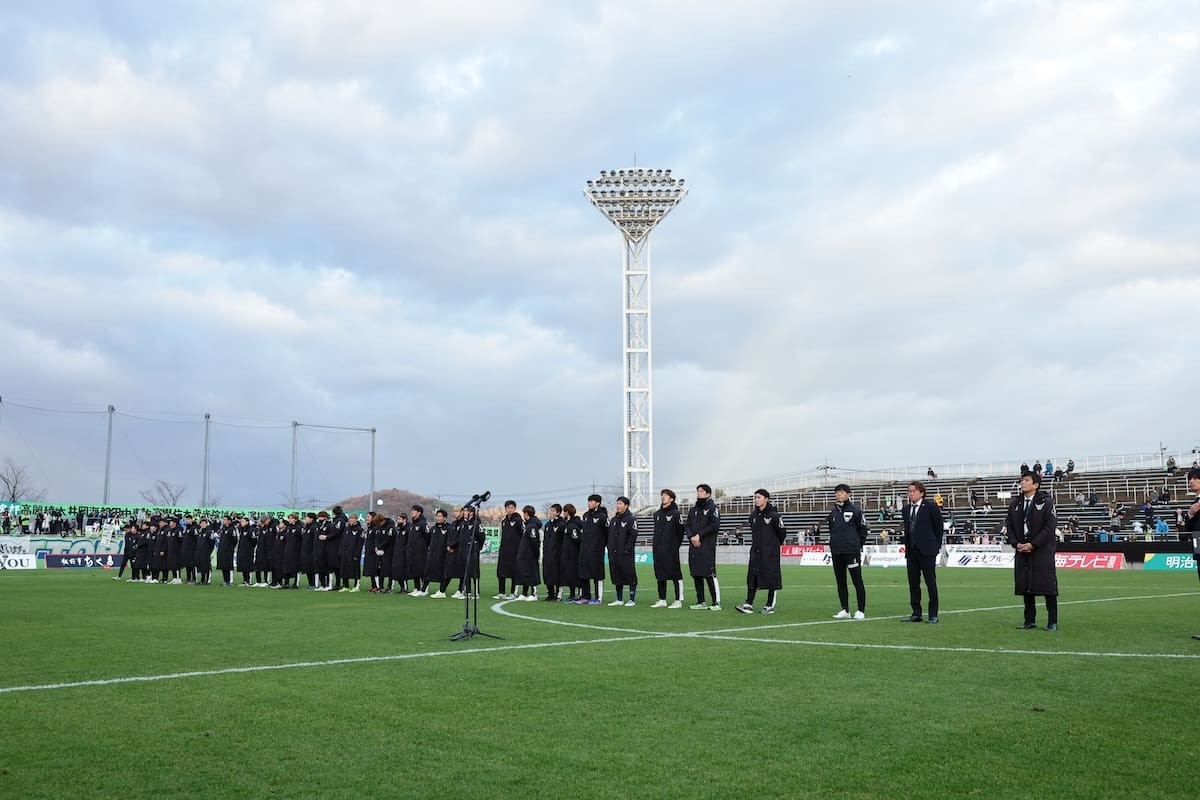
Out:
{"x": 1137, "y": 527}
{"x": 941, "y": 501}
{"x": 1070, "y": 467}
{"x": 1192, "y": 523}
{"x": 1093, "y": 498}
{"x": 1037, "y": 468}
{"x": 1161, "y": 527}
{"x": 1024, "y": 469}
{"x": 987, "y": 506}
{"x": 1172, "y": 467}
{"x": 929, "y": 473}
{"x": 974, "y": 499}
{"x": 1049, "y": 470}
{"x": 1079, "y": 498}
{"x": 1164, "y": 495}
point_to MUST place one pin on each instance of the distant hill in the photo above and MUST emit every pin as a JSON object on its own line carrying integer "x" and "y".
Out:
{"x": 395, "y": 501}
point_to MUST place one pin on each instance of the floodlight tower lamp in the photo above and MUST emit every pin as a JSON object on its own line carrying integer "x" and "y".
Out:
{"x": 635, "y": 201}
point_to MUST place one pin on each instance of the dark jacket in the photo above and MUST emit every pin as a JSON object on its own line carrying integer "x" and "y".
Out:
{"x": 552, "y": 536}
{"x": 1033, "y": 573}
{"x": 1192, "y": 525}
{"x": 435, "y": 556}
{"x": 668, "y": 537}
{"x": 350, "y": 562}
{"x": 308, "y": 538}
{"x": 456, "y": 545}
{"x": 187, "y": 547}
{"x": 245, "y": 547}
{"x": 847, "y": 529}
{"x": 263, "y": 544}
{"x": 923, "y": 535}
{"x": 511, "y": 531}
{"x": 703, "y": 520}
{"x": 204, "y": 548}
{"x": 569, "y": 561}
{"x": 293, "y": 545}
{"x": 592, "y": 542}
{"x": 767, "y": 533}
{"x": 622, "y": 540}
{"x": 418, "y": 546}
{"x": 528, "y": 552}
{"x": 400, "y": 550}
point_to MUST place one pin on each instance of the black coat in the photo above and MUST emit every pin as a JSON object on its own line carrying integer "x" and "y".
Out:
{"x": 245, "y": 547}
{"x": 418, "y": 547}
{"x": 435, "y": 556}
{"x": 592, "y": 543}
{"x": 703, "y": 520}
{"x": 847, "y": 529}
{"x": 373, "y": 543}
{"x": 293, "y": 547}
{"x": 174, "y": 548}
{"x": 923, "y": 535}
{"x": 158, "y": 549}
{"x": 204, "y": 548}
{"x": 511, "y": 530}
{"x": 529, "y": 549}
{"x": 263, "y": 546}
{"x": 1033, "y": 573}
{"x": 187, "y": 548}
{"x": 767, "y": 533}
{"x": 622, "y": 539}
{"x": 471, "y": 529}
{"x": 350, "y": 562}
{"x": 1192, "y": 525}
{"x": 308, "y": 538}
{"x": 568, "y": 574}
{"x": 400, "y": 550}
{"x": 324, "y": 550}
{"x": 668, "y": 537}
{"x": 278, "y": 548}
{"x": 385, "y": 540}
{"x": 456, "y": 553}
{"x": 552, "y": 534}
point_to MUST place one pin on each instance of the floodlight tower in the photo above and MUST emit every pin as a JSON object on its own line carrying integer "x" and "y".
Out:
{"x": 635, "y": 200}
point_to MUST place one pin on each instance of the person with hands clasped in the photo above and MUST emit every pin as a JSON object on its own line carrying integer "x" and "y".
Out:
{"x": 1030, "y": 525}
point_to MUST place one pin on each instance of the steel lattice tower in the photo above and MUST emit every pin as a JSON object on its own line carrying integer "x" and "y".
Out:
{"x": 635, "y": 200}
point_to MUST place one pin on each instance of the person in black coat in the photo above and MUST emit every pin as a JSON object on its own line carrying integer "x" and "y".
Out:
{"x": 572, "y": 535}
{"x": 1030, "y": 526}
{"x": 399, "y": 554}
{"x": 923, "y": 529}
{"x": 308, "y": 541}
{"x": 350, "y": 564}
{"x": 371, "y": 551}
{"x": 1191, "y": 522}
{"x": 278, "y": 577}
{"x": 622, "y": 563}
{"x": 847, "y": 536}
{"x": 225, "y": 550}
{"x": 338, "y": 523}
{"x": 264, "y": 543}
{"x": 455, "y": 555}
{"x": 767, "y": 533}
{"x": 158, "y": 550}
{"x": 529, "y": 550}
{"x": 552, "y": 533}
{"x": 174, "y": 550}
{"x": 247, "y": 540}
{"x": 592, "y": 543}
{"x": 472, "y": 538}
{"x": 204, "y": 550}
{"x": 703, "y": 524}
{"x": 512, "y": 528}
{"x": 385, "y": 541}
{"x": 187, "y": 549}
{"x": 293, "y": 548}
{"x": 418, "y": 548}
{"x": 323, "y": 550}
{"x": 129, "y": 532}
{"x": 668, "y": 538}
{"x": 435, "y": 556}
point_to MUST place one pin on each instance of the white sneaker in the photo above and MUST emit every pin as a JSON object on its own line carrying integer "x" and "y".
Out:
{"x": 676, "y": 604}
{"x": 510, "y": 596}
{"x": 438, "y": 596}
{"x": 859, "y": 615}
{"x": 660, "y": 604}
{"x": 177, "y": 582}
{"x": 615, "y": 603}
{"x": 419, "y": 593}
{"x": 744, "y": 608}
{"x": 499, "y": 597}
{"x": 768, "y": 609}
{"x": 458, "y": 596}
{"x": 843, "y": 614}
{"x": 630, "y": 603}
{"x": 530, "y": 598}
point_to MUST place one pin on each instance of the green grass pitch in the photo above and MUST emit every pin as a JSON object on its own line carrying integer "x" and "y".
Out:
{"x": 621, "y": 702}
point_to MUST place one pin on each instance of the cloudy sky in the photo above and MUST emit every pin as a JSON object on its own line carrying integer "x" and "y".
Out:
{"x": 917, "y": 233}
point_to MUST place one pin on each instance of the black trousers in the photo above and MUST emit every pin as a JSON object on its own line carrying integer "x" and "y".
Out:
{"x": 922, "y": 566}
{"x": 852, "y": 563}
{"x": 1051, "y": 609}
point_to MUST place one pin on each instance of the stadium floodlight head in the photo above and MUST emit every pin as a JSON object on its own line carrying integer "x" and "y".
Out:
{"x": 635, "y": 201}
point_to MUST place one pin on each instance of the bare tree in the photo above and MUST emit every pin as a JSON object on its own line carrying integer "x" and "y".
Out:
{"x": 163, "y": 493}
{"x": 17, "y": 484}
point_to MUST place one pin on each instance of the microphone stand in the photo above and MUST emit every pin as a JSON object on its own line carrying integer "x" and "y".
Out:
{"x": 470, "y": 628}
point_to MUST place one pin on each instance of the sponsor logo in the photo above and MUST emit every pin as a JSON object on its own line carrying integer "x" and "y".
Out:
{"x": 83, "y": 561}
{"x": 1089, "y": 560}
{"x": 797, "y": 550}
{"x": 18, "y": 561}
{"x": 1170, "y": 561}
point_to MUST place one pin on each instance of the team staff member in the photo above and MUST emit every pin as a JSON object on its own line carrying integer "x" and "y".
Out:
{"x": 847, "y": 537}
{"x": 1030, "y": 524}
{"x": 418, "y": 548}
{"x": 767, "y": 533}
{"x": 130, "y": 545}
{"x": 204, "y": 549}
{"x": 703, "y": 524}
{"x": 512, "y": 528}
{"x": 528, "y": 552}
{"x": 455, "y": 555}
{"x": 922, "y": 544}
{"x": 569, "y": 564}
{"x": 668, "y": 538}
{"x": 594, "y": 536}
{"x": 1192, "y": 522}
{"x": 435, "y": 557}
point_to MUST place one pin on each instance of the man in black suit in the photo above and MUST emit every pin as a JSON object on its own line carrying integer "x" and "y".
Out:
{"x": 922, "y": 544}
{"x": 1191, "y": 521}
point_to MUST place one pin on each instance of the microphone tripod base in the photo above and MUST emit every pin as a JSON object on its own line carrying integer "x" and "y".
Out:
{"x": 470, "y": 631}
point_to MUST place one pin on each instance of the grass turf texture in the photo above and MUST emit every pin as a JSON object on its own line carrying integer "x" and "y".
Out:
{"x": 612, "y": 716}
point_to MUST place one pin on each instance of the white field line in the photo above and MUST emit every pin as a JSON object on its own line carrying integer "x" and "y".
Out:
{"x": 303, "y": 664}
{"x": 634, "y": 636}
